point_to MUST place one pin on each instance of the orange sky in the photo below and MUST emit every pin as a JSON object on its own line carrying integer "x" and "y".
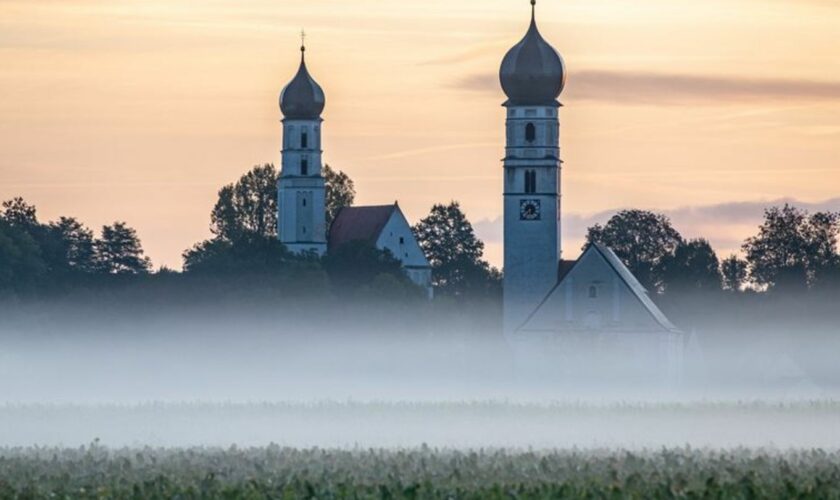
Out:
{"x": 139, "y": 110}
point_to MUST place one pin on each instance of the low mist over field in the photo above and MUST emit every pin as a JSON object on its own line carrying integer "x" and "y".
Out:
{"x": 137, "y": 373}
{"x": 452, "y": 425}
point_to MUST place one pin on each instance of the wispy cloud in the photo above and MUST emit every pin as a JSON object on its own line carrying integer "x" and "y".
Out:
{"x": 667, "y": 89}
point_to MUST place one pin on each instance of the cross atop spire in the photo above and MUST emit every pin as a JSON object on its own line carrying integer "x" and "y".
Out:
{"x": 302, "y": 40}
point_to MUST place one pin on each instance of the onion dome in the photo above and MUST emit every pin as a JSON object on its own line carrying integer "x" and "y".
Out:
{"x": 302, "y": 98}
{"x": 532, "y": 72}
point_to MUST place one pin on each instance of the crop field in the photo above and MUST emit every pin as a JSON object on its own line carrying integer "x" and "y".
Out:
{"x": 275, "y": 472}
{"x": 421, "y": 450}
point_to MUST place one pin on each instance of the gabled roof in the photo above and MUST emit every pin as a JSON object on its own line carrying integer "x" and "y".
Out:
{"x": 359, "y": 224}
{"x": 636, "y": 288}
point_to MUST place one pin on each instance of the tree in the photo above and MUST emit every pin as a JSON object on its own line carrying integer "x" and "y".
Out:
{"x": 693, "y": 267}
{"x": 119, "y": 251}
{"x": 454, "y": 253}
{"x": 357, "y": 264}
{"x": 77, "y": 244}
{"x": 21, "y": 264}
{"x": 340, "y": 192}
{"x": 821, "y": 232}
{"x": 19, "y": 213}
{"x": 792, "y": 249}
{"x": 248, "y": 207}
{"x": 733, "y": 272}
{"x": 642, "y": 240}
{"x": 49, "y": 240}
{"x": 245, "y": 256}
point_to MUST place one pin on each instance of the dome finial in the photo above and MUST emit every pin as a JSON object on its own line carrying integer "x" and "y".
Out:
{"x": 302, "y": 43}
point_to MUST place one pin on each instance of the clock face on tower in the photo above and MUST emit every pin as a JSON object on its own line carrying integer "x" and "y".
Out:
{"x": 529, "y": 209}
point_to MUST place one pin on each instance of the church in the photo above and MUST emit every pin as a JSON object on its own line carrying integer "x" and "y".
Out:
{"x": 301, "y": 191}
{"x": 561, "y": 309}
{"x": 566, "y": 311}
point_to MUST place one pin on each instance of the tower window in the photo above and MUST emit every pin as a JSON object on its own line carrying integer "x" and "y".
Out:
{"x": 530, "y": 132}
{"x": 593, "y": 292}
{"x": 304, "y": 140}
{"x": 530, "y": 182}
{"x": 289, "y": 135}
{"x": 304, "y": 202}
{"x": 304, "y": 166}
{"x": 402, "y": 240}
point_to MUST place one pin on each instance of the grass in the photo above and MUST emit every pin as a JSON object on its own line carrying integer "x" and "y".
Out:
{"x": 276, "y": 472}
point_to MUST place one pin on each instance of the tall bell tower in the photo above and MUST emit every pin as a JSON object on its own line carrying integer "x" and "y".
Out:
{"x": 301, "y": 194}
{"x": 532, "y": 76}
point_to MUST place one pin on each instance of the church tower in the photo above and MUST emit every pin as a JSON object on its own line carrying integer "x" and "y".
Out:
{"x": 301, "y": 218}
{"x": 532, "y": 76}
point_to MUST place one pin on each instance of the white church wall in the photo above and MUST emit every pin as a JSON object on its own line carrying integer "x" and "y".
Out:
{"x": 398, "y": 238}
{"x": 301, "y": 195}
{"x": 613, "y": 301}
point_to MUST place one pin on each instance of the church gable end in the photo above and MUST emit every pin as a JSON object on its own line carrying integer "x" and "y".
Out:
{"x": 598, "y": 294}
{"x": 386, "y": 228}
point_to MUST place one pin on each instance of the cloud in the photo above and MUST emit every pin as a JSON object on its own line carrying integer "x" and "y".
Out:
{"x": 725, "y": 225}
{"x": 664, "y": 88}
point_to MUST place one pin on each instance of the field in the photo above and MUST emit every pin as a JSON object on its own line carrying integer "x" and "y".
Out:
{"x": 421, "y": 450}
{"x": 276, "y": 472}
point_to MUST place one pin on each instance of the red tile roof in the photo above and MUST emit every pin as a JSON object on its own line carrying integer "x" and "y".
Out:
{"x": 359, "y": 224}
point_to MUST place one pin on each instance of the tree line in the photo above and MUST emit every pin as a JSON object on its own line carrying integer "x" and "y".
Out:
{"x": 793, "y": 251}
{"x": 46, "y": 258}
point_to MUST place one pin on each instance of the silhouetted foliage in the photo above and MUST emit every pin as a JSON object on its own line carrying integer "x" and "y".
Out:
{"x": 21, "y": 265}
{"x": 792, "y": 250}
{"x": 38, "y": 258}
{"x": 693, "y": 267}
{"x": 77, "y": 242}
{"x": 19, "y": 213}
{"x": 358, "y": 263}
{"x": 455, "y": 253}
{"x": 642, "y": 240}
{"x": 245, "y": 255}
{"x": 248, "y": 207}
{"x": 340, "y": 192}
{"x": 734, "y": 273}
{"x": 119, "y": 251}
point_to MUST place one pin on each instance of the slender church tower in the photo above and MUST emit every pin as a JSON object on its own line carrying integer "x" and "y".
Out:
{"x": 301, "y": 218}
{"x": 532, "y": 76}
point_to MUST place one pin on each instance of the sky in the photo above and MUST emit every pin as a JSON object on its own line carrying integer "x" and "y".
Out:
{"x": 140, "y": 110}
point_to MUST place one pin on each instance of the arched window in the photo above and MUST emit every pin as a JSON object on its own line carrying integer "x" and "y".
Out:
{"x": 593, "y": 292}
{"x": 530, "y": 132}
{"x": 530, "y": 182}
{"x": 304, "y": 166}
{"x": 304, "y": 140}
